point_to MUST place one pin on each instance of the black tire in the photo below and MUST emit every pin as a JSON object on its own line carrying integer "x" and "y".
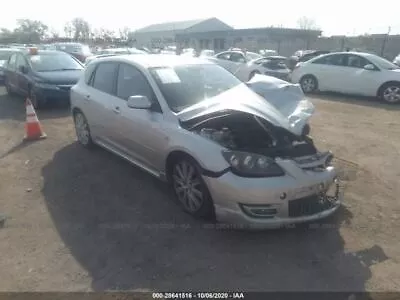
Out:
{"x": 81, "y": 123}
{"x": 37, "y": 103}
{"x": 309, "y": 84}
{"x": 203, "y": 207}
{"x": 252, "y": 74}
{"x": 9, "y": 90}
{"x": 390, "y": 92}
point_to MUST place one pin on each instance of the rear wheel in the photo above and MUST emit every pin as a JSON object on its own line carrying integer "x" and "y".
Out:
{"x": 390, "y": 92}
{"x": 82, "y": 130}
{"x": 309, "y": 84}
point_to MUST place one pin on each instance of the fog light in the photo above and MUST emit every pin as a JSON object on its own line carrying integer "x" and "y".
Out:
{"x": 282, "y": 196}
{"x": 333, "y": 190}
{"x": 259, "y": 211}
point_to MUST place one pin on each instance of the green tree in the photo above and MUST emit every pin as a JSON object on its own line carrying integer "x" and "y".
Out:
{"x": 30, "y": 31}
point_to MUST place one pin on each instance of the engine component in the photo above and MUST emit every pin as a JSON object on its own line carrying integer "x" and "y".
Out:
{"x": 223, "y": 136}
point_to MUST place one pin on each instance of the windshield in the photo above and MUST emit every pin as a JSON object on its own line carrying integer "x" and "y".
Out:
{"x": 185, "y": 85}
{"x": 4, "y": 55}
{"x": 54, "y": 62}
{"x": 252, "y": 55}
{"x": 384, "y": 63}
{"x": 275, "y": 64}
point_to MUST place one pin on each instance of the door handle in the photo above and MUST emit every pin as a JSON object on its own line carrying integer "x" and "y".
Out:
{"x": 116, "y": 110}
{"x": 87, "y": 97}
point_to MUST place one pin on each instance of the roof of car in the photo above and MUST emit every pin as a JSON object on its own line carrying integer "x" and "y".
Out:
{"x": 156, "y": 60}
{"x": 8, "y": 49}
{"x": 45, "y": 52}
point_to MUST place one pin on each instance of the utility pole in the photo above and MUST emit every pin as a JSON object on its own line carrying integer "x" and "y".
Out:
{"x": 385, "y": 41}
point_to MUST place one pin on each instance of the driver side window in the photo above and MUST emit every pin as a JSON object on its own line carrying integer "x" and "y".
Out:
{"x": 21, "y": 62}
{"x": 132, "y": 82}
{"x": 12, "y": 61}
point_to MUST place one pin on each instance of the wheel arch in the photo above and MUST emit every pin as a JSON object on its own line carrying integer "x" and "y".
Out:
{"x": 172, "y": 158}
{"x": 383, "y": 85}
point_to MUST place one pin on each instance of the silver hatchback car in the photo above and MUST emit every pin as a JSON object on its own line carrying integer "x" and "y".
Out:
{"x": 226, "y": 151}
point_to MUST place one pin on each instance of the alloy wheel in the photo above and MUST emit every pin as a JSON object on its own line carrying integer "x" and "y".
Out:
{"x": 392, "y": 94}
{"x": 188, "y": 186}
{"x": 82, "y": 129}
{"x": 308, "y": 84}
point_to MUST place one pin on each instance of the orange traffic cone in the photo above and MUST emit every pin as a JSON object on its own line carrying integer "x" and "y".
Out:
{"x": 33, "y": 130}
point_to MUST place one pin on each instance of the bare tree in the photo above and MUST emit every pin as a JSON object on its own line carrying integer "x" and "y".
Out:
{"x": 124, "y": 33}
{"x": 81, "y": 29}
{"x": 307, "y": 23}
{"x": 68, "y": 30}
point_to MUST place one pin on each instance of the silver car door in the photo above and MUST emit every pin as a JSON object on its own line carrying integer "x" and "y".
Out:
{"x": 140, "y": 131}
{"x": 99, "y": 102}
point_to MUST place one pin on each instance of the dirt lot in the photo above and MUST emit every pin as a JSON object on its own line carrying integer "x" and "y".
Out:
{"x": 80, "y": 220}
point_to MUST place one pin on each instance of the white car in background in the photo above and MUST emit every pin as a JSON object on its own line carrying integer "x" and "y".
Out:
{"x": 350, "y": 73}
{"x": 113, "y": 51}
{"x": 207, "y": 53}
{"x": 239, "y": 63}
{"x": 396, "y": 60}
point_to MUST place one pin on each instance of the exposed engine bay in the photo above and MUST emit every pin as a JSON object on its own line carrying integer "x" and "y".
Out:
{"x": 245, "y": 132}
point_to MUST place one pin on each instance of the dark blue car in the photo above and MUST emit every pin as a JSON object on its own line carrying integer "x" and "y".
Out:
{"x": 41, "y": 75}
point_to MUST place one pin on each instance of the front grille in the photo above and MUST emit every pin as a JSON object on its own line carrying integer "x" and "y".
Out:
{"x": 309, "y": 205}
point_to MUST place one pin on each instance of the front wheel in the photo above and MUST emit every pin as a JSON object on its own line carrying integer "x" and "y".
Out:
{"x": 252, "y": 74}
{"x": 190, "y": 189}
{"x": 37, "y": 103}
{"x": 309, "y": 84}
{"x": 390, "y": 93}
{"x": 9, "y": 90}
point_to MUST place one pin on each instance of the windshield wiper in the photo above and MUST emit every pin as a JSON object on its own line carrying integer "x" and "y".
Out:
{"x": 66, "y": 69}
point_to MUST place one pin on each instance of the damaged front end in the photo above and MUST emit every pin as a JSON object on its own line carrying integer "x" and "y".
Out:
{"x": 259, "y": 144}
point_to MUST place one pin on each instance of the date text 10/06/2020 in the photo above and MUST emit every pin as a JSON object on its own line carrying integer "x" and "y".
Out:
{"x": 198, "y": 295}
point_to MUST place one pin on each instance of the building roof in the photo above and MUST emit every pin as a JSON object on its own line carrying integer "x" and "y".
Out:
{"x": 171, "y": 26}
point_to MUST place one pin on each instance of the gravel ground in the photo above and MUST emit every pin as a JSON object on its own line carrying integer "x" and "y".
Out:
{"x": 82, "y": 221}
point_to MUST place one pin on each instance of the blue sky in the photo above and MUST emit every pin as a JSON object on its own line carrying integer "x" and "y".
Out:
{"x": 335, "y": 17}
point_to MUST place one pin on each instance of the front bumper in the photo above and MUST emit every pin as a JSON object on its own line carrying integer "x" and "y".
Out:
{"x": 56, "y": 92}
{"x": 282, "y": 200}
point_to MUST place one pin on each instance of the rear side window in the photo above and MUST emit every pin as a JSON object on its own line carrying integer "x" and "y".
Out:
{"x": 225, "y": 56}
{"x": 104, "y": 77}
{"x": 333, "y": 60}
{"x": 89, "y": 73}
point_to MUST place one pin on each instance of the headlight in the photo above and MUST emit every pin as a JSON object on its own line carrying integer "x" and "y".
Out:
{"x": 46, "y": 86}
{"x": 252, "y": 165}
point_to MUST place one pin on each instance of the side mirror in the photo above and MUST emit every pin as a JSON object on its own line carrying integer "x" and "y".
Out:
{"x": 369, "y": 67}
{"x": 23, "y": 69}
{"x": 139, "y": 102}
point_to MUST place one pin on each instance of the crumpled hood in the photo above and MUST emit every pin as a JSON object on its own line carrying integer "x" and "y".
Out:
{"x": 239, "y": 98}
{"x": 286, "y": 97}
{"x": 292, "y": 116}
